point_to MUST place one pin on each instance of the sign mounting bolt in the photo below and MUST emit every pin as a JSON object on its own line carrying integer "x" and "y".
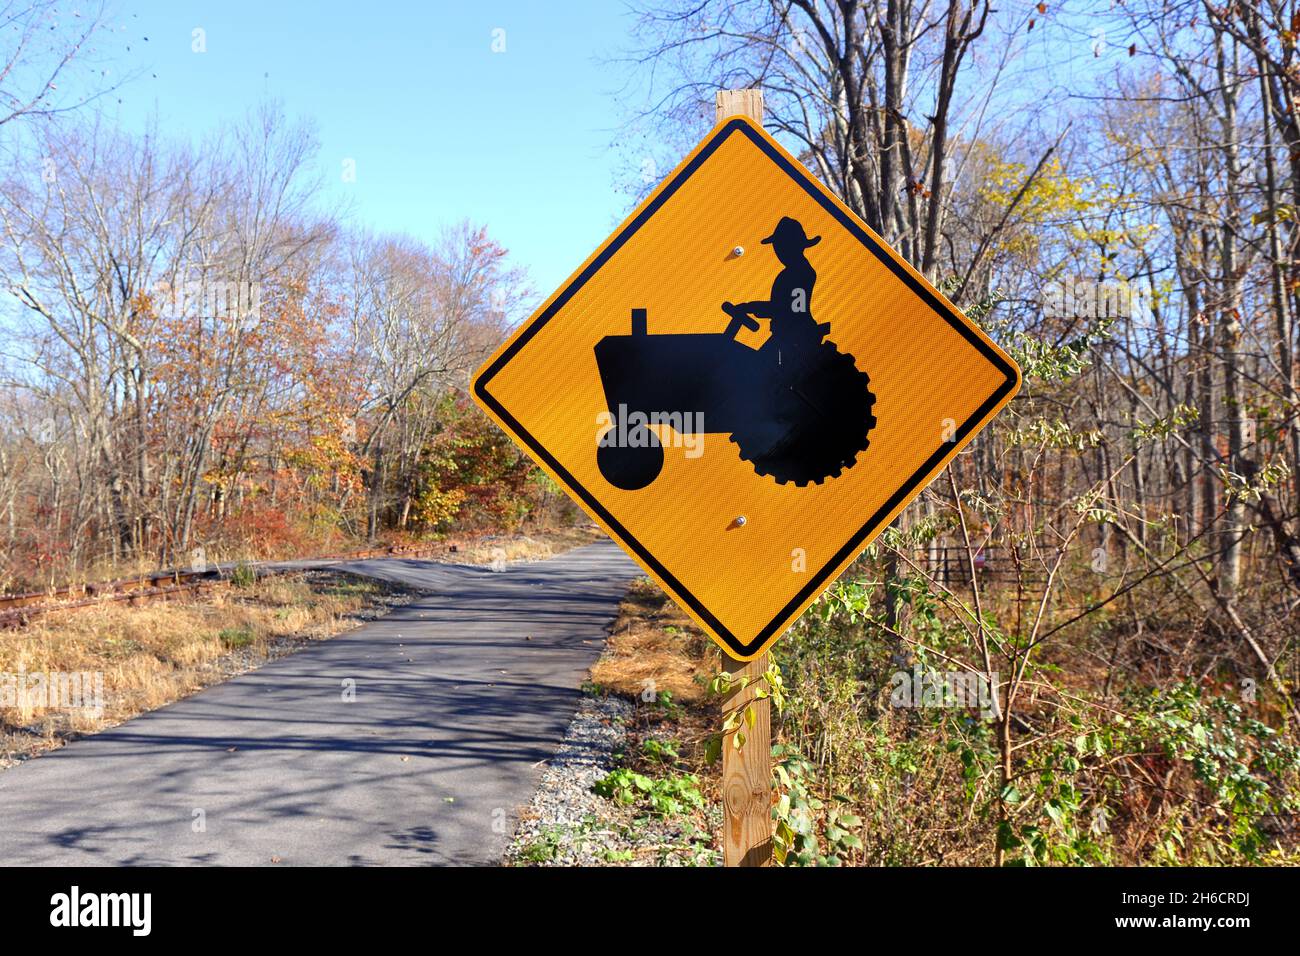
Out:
{"x": 738, "y": 251}
{"x": 741, "y": 520}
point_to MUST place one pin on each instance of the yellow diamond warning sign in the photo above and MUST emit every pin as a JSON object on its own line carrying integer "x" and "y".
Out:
{"x": 743, "y": 385}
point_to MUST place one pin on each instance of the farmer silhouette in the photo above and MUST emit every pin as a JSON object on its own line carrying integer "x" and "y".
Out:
{"x": 790, "y": 307}
{"x": 797, "y": 407}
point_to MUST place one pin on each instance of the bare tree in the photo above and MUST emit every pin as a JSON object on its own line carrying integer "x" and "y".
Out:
{"x": 38, "y": 43}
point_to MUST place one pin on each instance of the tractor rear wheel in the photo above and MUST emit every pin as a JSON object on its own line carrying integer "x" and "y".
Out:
{"x": 817, "y": 424}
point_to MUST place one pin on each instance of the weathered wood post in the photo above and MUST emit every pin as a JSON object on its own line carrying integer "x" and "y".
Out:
{"x": 746, "y": 772}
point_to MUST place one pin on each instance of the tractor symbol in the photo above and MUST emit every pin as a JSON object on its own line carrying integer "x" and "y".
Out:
{"x": 798, "y": 408}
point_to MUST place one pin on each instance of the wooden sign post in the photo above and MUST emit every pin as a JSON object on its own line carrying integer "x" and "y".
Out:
{"x": 746, "y": 771}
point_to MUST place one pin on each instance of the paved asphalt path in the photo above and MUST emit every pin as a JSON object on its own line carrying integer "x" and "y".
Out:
{"x": 455, "y": 712}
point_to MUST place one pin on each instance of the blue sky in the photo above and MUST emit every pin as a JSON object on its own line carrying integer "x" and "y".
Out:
{"x": 440, "y": 127}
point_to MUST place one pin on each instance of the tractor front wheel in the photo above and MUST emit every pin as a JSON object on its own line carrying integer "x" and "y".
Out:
{"x": 634, "y": 465}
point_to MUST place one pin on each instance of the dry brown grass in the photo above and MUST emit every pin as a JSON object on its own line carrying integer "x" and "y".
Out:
{"x": 535, "y": 545}
{"x": 152, "y": 655}
{"x": 654, "y": 644}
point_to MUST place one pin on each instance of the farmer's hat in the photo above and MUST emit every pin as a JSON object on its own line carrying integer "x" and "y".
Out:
{"x": 789, "y": 232}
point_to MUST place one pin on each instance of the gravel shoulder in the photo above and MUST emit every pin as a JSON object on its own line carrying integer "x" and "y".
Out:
{"x": 631, "y": 729}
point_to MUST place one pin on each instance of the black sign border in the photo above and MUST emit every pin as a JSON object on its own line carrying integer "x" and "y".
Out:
{"x": 822, "y": 577}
